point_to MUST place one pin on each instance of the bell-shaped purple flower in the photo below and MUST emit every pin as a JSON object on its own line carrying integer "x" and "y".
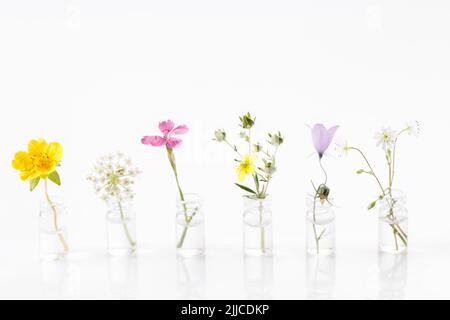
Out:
{"x": 322, "y": 137}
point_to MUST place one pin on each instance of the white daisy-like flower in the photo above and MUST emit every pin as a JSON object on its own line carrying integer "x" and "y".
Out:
{"x": 385, "y": 138}
{"x": 113, "y": 177}
{"x": 341, "y": 147}
{"x": 413, "y": 128}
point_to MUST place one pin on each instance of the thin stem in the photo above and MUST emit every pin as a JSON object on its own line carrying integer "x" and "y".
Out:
{"x": 182, "y": 198}
{"x": 55, "y": 218}
{"x": 125, "y": 226}
{"x": 371, "y": 169}
{"x": 263, "y": 236}
{"x": 314, "y": 205}
{"x": 394, "y": 152}
{"x": 249, "y": 141}
{"x": 326, "y": 175}
{"x": 269, "y": 177}
{"x": 233, "y": 147}
{"x": 183, "y": 237}
{"x": 314, "y": 225}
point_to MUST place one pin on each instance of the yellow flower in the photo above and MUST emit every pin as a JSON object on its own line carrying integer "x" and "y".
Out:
{"x": 40, "y": 160}
{"x": 246, "y": 166}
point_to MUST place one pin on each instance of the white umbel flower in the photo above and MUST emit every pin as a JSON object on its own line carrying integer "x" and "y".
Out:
{"x": 113, "y": 177}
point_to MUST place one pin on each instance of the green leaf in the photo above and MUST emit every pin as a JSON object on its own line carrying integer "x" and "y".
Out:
{"x": 54, "y": 177}
{"x": 256, "y": 182}
{"x": 34, "y": 183}
{"x": 372, "y": 205}
{"x": 245, "y": 188}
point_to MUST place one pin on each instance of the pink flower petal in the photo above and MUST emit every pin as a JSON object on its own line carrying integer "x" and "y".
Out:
{"x": 166, "y": 126}
{"x": 180, "y": 129}
{"x": 174, "y": 142}
{"x": 155, "y": 141}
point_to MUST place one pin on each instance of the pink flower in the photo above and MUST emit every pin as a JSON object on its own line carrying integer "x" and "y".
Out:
{"x": 168, "y": 129}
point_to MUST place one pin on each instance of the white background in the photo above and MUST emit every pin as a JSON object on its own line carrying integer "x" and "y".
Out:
{"x": 97, "y": 75}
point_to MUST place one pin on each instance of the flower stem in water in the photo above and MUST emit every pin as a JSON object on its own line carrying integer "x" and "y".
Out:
{"x": 55, "y": 218}
{"x": 125, "y": 226}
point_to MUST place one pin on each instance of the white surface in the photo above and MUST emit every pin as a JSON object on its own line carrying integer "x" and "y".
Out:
{"x": 97, "y": 75}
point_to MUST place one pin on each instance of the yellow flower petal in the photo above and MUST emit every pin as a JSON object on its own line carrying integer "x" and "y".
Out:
{"x": 36, "y": 147}
{"x": 55, "y": 151}
{"x": 40, "y": 160}
{"x": 21, "y": 161}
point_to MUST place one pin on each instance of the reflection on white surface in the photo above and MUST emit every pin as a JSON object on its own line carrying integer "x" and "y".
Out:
{"x": 393, "y": 276}
{"x": 320, "y": 277}
{"x": 73, "y": 14}
{"x": 60, "y": 278}
{"x": 123, "y": 276}
{"x": 191, "y": 273}
{"x": 258, "y": 273}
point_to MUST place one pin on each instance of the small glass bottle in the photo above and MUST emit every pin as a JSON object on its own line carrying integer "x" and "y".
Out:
{"x": 190, "y": 226}
{"x": 320, "y": 227}
{"x": 393, "y": 223}
{"x": 121, "y": 228}
{"x": 258, "y": 226}
{"x": 53, "y": 230}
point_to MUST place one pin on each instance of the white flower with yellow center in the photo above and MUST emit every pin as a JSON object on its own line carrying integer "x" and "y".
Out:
{"x": 342, "y": 148}
{"x": 385, "y": 138}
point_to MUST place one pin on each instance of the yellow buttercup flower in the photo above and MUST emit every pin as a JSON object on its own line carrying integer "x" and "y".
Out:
{"x": 40, "y": 160}
{"x": 246, "y": 166}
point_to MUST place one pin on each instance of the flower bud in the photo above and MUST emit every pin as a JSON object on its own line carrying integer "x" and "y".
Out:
{"x": 220, "y": 135}
{"x": 276, "y": 139}
{"x": 257, "y": 147}
{"x": 246, "y": 121}
{"x": 243, "y": 135}
{"x": 323, "y": 192}
{"x": 270, "y": 168}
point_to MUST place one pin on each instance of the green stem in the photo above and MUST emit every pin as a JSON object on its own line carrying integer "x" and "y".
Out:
{"x": 263, "y": 236}
{"x": 55, "y": 218}
{"x": 187, "y": 219}
{"x": 314, "y": 224}
{"x": 183, "y": 237}
{"x": 269, "y": 177}
{"x": 394, "y": 154}
{"x": 371, "y": 169}
{"x": 232, "y": 147}
{"x": 323, "y": 169}
{"x": 125, "y": 226}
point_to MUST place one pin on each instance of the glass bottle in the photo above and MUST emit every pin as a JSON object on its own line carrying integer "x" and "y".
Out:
{"x": 393, "y": 223}
{"x": 121, "y": 228}
{"x": 258, "y": 226}
{"x": 53, "y": 230}
{"x": 190, "y": 226}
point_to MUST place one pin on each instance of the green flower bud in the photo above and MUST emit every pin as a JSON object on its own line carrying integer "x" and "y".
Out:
{"x": 276, "y": 139}
{"x": 270, "y": 168}
{"x": 257, "y": 147}
{"x": 246, "y": 121}
{"x": 243, "y": 135}
{"x": 220, "y": 135}
{"x": 323, "y": 192}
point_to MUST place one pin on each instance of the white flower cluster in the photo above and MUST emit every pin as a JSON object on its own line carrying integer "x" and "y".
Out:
{"x": 113, "y": 177}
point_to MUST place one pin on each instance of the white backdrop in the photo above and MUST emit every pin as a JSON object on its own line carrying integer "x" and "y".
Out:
{"x": 98, "y": 75}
